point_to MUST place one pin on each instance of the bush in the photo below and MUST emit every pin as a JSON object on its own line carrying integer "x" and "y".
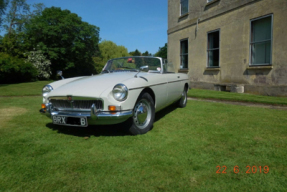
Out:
{"x": 15, "y": 70}
{"x": 40, "y": 62}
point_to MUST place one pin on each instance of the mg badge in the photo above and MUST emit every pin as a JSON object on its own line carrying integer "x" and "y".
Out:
{"x": 70, "y": 100}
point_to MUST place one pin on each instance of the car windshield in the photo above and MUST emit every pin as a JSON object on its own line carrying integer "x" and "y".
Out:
{"x": 134, "y": 64}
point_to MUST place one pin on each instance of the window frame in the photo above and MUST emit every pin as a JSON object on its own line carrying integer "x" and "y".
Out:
{"x": 250, "y": 41}
{"x": 180, "y": 54}
{"x": 207, "y": 50}
{"x": 180, "y": 13}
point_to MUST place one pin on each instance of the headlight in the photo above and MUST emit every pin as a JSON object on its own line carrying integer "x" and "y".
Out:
{"x": 120, "y": 92}
{"x": 47, "y": 89}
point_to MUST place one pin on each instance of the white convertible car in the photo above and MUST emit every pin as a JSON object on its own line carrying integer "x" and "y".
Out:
{"x": 129, "y": 89}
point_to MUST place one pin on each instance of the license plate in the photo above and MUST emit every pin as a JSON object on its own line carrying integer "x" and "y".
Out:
{"x": 71, "y": 121}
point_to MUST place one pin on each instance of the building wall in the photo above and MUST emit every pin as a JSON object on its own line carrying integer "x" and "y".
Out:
{"x": 232, "y": 18}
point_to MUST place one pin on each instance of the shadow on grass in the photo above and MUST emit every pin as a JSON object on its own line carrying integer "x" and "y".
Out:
{"x": 91, "y": 130}
{"x": 105, "y": 130}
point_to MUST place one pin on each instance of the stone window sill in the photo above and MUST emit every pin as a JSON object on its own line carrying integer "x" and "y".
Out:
{"x": 260, "y": 67}
{"x": 183, "y": 70}
{"x": 212, "y": 69}
{"x": 211, "y": 2}
{"x": 183, "y": 16}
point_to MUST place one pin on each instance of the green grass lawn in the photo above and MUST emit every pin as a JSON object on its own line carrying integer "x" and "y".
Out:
{"x": 221, "y": 95}
{"x": 23, "y": 89}
{"x": 180, "y": 153}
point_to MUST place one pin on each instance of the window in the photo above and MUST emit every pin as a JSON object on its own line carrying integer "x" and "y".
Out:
{"x": 183, "y": 7}
{"x": 184, "y": 54}
{"x": 261, "y": 41}
{"x": 213, "y": 49}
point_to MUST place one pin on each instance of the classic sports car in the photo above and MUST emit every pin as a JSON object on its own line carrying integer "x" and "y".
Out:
{"x": 129, "y": 89}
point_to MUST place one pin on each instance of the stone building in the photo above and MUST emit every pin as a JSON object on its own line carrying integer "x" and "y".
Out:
{"x": 230, "y": 44}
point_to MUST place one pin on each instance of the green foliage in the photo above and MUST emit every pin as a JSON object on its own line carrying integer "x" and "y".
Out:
{"x": 135, "y": 53}
{"x": 40, "y": 62}
{"x": 67, "y": 41}
{"x": 3, "y": 5}
{"x": 108, "y": 50}
{"x": 13, "y": 44}
{"x": 162, "y": 52}
{"x": 19, "y": 14}
{"x": 13, "y": 69}
{"x": 99, "y": 64}
{"x": 146, "y": 54}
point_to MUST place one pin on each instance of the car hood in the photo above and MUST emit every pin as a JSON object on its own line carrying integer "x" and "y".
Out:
{"x": 92, "y": 86}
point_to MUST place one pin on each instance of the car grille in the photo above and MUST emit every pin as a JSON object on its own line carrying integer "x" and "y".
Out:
{"x": 76, "y": 104}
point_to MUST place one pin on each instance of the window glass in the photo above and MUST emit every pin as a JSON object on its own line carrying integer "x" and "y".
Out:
{"x": 183, "y": 7}
{"x": 260, "y": 46}
{"x": 213, "y": 49}
{"x": 261, "y": 29}
{"x": 184, "y": 54}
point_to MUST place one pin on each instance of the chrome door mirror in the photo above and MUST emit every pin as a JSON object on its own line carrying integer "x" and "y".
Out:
{"x": 143, "y": 68}
{"x": 60, "y": 73}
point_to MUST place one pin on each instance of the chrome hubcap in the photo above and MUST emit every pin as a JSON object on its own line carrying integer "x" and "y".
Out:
{"x": 142, "y": 114}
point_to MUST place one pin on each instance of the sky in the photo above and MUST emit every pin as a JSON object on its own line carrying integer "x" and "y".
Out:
{"x": 135, "y": 24}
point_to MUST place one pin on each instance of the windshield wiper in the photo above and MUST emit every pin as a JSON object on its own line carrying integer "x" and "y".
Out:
{"x": 105, "y": 71}
{"x": 128, "y": 68}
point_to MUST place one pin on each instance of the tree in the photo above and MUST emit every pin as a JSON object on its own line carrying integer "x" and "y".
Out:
{"x": 20, "y": 14}
{"x": 68, "y": 42}
{"x": 3, "y": 5}
{"x": 14, "y": 70}
{"x": 108, "y": 50}
{"x": 162, "y": 52}
{"x": 135, "y": 53}
{"x": 17, "y": 17}
{"x": 12, "y": 44}
{"x": 146, "y": 54}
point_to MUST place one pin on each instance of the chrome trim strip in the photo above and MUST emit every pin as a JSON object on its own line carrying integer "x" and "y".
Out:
{"x": 177, "y": 81}
{"x": 74, "y": 98}
{"x": 92, "y": 114}
{"x": 99, "y": 115}
{"x": 158, "y": 84}
{"x": 117, "y": 115}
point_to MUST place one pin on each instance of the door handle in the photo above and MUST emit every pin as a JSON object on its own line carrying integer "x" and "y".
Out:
{"x": 178, "y": 76}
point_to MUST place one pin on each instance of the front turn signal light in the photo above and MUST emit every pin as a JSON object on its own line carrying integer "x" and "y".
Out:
{"x": 43, "y": 106}
{"x": 114, "y": 108}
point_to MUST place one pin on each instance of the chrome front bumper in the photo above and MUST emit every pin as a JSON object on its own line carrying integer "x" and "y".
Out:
{"x": 94, "y": 117}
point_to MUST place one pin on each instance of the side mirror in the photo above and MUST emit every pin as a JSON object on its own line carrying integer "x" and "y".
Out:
{"x": 60, "y": 73}
{"x": 142, "y": 68}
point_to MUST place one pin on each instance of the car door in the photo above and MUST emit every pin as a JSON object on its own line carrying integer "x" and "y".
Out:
{"x": 174, "y": 88}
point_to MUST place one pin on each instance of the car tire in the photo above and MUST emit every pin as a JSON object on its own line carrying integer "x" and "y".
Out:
{"x": 143, "y": 115}
{"x": 183, "y": 100}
